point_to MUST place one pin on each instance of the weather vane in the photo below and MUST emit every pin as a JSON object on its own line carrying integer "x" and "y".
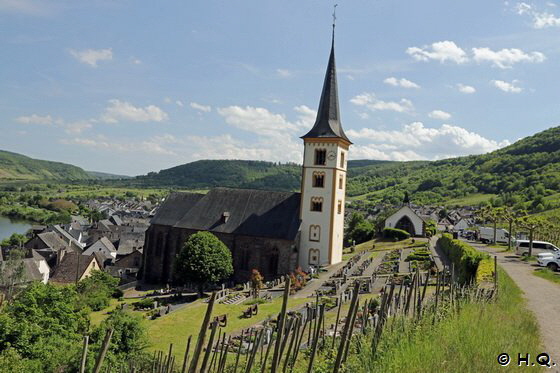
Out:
{"x": 334, "y": 16}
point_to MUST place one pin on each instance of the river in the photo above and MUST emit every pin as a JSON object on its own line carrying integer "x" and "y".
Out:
{"x": 8, "y": 226}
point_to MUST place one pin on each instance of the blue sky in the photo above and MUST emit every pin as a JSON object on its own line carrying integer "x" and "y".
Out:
{"x": 130, "y": 87}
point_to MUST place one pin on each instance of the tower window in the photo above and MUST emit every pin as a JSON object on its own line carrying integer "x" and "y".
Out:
{"x": 320, "y": 157}
{"x": 340, "y": 182}
{"x": 317, "y": 204}
{"x": 339, "y": 206}
{"x": 318, "y": 179}
{"x": 342, "y": 160}
{"x": 314, "y": 233}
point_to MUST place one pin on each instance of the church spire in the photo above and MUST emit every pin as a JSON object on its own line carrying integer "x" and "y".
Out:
{"x": 328, "y": 123}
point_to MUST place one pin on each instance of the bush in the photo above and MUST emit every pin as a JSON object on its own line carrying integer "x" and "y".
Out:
{"x": 485, "y": 271}
{"x": 463, "y": 256}
{"x": 143, "y": 304}
{"x": 399, "y": 234}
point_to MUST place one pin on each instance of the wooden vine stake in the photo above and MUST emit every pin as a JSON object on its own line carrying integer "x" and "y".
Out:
{"x": 280, "y": 326}
{"x": 202, "y": 335}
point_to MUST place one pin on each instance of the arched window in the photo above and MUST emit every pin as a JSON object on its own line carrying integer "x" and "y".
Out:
{"x": 406, "y": 224}
{"x": 314, "y": 256}
{"x": 320, "y": 157}
{"x": 317, "y": 204}
{"x": 273, "y": 262}
{"x": 318, "y": 179}
{"x": 245, "y": 259}
{"x": 159, "y": 244}
{"x": 342, "y": 160}
{"x": 341, "y": 182}
{"x": 339, "y": 209}
{"x": 314, "y": 233}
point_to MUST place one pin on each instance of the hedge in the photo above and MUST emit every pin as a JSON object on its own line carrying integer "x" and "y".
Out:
{"x": 463, "y": 256}
{"x": 485, "y": 271}
{"x": 395, "y": 233}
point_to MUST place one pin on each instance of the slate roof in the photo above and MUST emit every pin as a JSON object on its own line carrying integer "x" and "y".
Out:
{"x": 116, "y": 220}
{"x": 30, "y": 271}
{"x": 175, "y": 206}
{"x": 328, "y": 123}
{"x": 257, "y": 213}
{"x": 52, "y": 240}
{"x": 65, "y": 272}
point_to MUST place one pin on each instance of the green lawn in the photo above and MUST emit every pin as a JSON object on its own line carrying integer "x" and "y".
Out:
{"x": 547, "y": 274}
{"x": 177, "y": 326}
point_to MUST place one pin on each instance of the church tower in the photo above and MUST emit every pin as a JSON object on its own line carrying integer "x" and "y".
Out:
{"x": 323, "y": 186}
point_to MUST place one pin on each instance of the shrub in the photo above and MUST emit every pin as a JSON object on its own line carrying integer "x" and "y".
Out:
{"x": 398, "y": 234}
{"x": 485, "y": 271}
{"x": 143, "y": 304}
{"x": 463, "y": 256}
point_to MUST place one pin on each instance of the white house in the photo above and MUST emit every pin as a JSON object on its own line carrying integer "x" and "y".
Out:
{"x": 104, "y": 247}
{"x": 407, "y": 220}
{"x": 462, "y": 224}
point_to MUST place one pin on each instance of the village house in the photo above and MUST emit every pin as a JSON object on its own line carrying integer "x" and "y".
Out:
{"x": 74, "y": 267}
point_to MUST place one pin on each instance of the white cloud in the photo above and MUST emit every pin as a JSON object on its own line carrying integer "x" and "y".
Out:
{"x": 506, "y": 58}
{"x": 507, "y": 87}
{"x": 439, "y": 114}
{"x": 92, "y": 56}
{"x": 541, "y": 19}
{"x": 441, "y": 51}
{"x": 199, "y": 107}
{"x": 415, "y": 141}
{"x": 371, "y": 102}
{"x": 35, "y": 119}
{"x": 124, "y": 111}
{"x": 179, "y": 103}
{"x": 157, "y": 145}
{"x": 76, "y": 127}
{"x": 28, "y": 7}
{"x": 405, "y": 83}
{"x": 256, "y": 120}
{"x": 284, "y": 73}
{"x": 466, "y": 88}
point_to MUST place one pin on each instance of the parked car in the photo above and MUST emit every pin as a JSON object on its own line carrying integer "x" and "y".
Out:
{"x": 522, "y": 247}
{"x": 551, "y": 260}
{"x": 487, "y": 235}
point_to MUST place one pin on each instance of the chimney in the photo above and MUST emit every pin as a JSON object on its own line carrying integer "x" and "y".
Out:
{"x": 225, "y": 216}
{"x": 59, "y": 255}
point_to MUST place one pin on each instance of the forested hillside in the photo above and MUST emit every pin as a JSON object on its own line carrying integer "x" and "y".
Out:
{"x": 528, "y": 170}
{"x": 15, "y": 166}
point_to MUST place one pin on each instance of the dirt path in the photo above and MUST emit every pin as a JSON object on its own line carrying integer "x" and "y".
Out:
{"x": 543, "y": 297}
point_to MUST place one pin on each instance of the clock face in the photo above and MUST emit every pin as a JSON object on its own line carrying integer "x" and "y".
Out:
{"x": 331, "y": 156}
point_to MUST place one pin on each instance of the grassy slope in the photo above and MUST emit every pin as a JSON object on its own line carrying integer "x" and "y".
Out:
{"x": 15, "y": 166}
{"x": 467, "y": 342}
{"x": 547, "y": 274}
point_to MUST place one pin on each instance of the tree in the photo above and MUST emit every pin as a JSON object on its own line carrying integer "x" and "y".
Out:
{"x": 256, "y": 282}
{"x": 512, "y": 217}
{"x": 12, "y": 272}
{"x": 203, "y": 259}
{"x": 532, "y": 223}
{"x": 96, "y": 290}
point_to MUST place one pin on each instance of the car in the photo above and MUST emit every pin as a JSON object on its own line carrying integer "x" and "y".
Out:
{"x": 550, "y": 260}
{"x": 522, "y": 247}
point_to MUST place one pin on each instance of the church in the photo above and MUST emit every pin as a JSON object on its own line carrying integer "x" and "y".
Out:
{"x": 274, "y": 232}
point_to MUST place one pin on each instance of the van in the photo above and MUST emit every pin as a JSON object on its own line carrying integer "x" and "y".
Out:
{"x": 487, "y": 235}
{"x": 522, "y": 247}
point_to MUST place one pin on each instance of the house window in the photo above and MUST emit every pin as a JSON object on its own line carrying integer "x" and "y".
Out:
{"x": 317, "y": 204}
{"x": 320, "y": 157}
{"x": 341, "y": 182}
{"x": 318, "y": 179}
{"x": 314, "y": 233}
{"x": 342, "y": 160}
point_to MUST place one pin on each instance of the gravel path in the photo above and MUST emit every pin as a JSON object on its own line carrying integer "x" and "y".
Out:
{"x": 543, "y": 297}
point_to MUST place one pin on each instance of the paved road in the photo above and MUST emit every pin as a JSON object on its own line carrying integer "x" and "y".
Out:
{"x": 543, "y": 297}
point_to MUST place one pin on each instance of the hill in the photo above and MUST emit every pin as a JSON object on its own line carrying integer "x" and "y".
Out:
{"x": 526, "y": 173}
{"x": 15, "y": 166}
{"x": 225, "y": 173}
{"x": 105, "y": 176}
